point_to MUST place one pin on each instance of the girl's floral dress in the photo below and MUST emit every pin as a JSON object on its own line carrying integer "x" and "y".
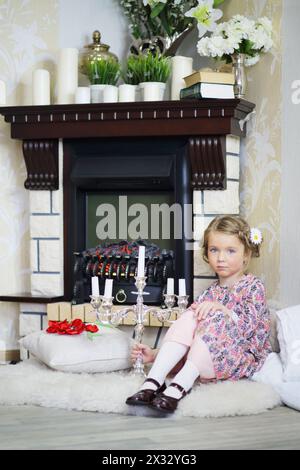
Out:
{"x": 238, "y": 345}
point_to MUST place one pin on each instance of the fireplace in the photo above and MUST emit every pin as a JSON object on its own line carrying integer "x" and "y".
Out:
{"x": 133, "y": 173}
{"x": 175, "y": 150}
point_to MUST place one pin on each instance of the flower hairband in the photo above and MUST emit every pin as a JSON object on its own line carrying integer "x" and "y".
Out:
{"x": 255, "y": 236}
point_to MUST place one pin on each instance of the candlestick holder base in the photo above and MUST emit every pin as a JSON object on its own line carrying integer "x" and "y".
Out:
{"x": 139, "y": 310}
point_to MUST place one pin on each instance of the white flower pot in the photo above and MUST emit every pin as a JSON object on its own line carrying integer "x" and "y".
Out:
{"x": 97, "y": 93}
{"x": 153, "y": 91}
{"x": 181, "y": 67}
{"x": 83, "y": 95}
{"x": 110, "y": 94}
{"x": 127, "y": 92}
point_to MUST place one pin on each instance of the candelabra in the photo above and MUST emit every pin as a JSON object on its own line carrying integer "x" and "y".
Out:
{"x": 103, "y": 308}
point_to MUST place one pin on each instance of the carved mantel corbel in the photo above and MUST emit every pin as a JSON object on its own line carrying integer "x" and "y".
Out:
{"x": 41, "y": 159}
{"x": 207, "y": 157}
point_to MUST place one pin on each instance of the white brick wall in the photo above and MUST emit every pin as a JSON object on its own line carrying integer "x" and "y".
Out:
{"x": 223, "y": 202}
{"x": 46, "y": 232}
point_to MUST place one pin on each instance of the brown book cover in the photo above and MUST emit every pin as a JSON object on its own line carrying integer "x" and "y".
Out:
{"x": 209, "y": 77}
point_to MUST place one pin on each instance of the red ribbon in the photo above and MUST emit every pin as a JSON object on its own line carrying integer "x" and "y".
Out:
{"x": 75, "y": 327}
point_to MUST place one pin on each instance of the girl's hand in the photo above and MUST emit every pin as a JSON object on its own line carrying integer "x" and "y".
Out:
{"x": 202, "y": 310}
{"x": 148, "y": 354}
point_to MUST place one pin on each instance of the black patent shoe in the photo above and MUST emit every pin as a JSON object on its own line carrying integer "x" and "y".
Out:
{"x": 145, "y": 397}
{"x": 165, "y": 404}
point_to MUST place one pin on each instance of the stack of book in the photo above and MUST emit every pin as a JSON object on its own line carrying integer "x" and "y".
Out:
{"x": 203, "y": 84}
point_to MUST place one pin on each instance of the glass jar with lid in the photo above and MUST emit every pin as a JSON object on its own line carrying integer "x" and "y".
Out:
{"x": 99, "y": 64}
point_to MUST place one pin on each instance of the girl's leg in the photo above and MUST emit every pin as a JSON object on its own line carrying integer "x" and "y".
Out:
{"x": 200, "y": 356}
{"x": 168, "y": 356}
{"x": 198, "y": 362}
{"x": 175, "y": 345}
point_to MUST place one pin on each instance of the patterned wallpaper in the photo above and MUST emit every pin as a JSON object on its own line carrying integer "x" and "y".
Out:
{"x": 261, "y": 154}
{"x": 28, "y": 39}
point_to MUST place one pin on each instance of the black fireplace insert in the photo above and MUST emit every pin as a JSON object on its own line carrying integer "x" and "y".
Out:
{"x": 156, "y": 169}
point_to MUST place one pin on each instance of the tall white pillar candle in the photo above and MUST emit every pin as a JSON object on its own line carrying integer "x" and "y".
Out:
{"x": 108, "y": 288}
{"x": 83, "y": 95}
{"x": 95, "y": 286}
{"x": 41, "y": 87}
{"x": 170, "y": 286}
{"x": 141, "y": 262}
{"x": 2, "y": 93}
{"x": 67, "y": 76}
{"x": 181, "y": 67}
{"x": 182, "y": 287}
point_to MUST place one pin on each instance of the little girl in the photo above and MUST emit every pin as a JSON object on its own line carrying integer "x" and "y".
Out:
{"x": 224, "y": 335}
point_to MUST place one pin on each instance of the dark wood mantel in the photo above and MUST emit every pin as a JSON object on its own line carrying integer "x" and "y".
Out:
{"x": 162, "y": 118}
{"x": 205, "y": 122}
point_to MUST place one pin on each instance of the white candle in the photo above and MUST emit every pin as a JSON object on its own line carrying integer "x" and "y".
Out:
{"x": 108, "y": 288}
{"x": 41, "y": 87}
{"x": 2, "y": 93}
{"x": 181, "y": 67}
{"x": 141, "y": 262}
{"x": 182, "y": 287}
{"x": 95, "y": 286}
{"x": 67, "y": 76}
{"x": 170, "y": 286}
{"x": 83, "y": 95}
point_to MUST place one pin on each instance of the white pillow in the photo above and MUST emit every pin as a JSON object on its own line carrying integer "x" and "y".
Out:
{"x": 288, "y": 327}
{"x": 271, "y": 372}
{"x": 107, "y": 352}
{"x": 290, "y": 394}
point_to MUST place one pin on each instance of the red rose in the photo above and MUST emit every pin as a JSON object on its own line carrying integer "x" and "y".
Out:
{"x": 92, "y": 328}
{"x": 75, "y": 327}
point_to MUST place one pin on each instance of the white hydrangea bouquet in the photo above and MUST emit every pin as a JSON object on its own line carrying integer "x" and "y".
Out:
{"x": 239, "y": 35}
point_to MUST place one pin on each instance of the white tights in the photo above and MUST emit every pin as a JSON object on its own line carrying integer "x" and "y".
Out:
{"x": 198, "y": 362}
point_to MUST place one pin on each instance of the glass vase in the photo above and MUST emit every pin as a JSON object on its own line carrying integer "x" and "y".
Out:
{"x": 240, "y": 79}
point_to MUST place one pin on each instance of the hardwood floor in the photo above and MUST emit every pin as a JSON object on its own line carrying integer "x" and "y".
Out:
{"x": 29, "y": 427}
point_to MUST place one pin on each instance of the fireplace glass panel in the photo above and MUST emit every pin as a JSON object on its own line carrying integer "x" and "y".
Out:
{"x": 112, "y": 217}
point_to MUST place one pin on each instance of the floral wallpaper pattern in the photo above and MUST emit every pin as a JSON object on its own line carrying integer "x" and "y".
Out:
{"x": 28, "y": 34}
{"x": 261, "y": 151}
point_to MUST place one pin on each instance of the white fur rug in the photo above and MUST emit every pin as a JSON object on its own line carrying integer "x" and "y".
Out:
{"x": 31, "y": 382}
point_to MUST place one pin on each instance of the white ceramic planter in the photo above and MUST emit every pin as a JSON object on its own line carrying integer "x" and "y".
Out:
{"x": 153, "y": 91}
{"x": 127, "y": 92}
{"x": 83, "y": 95}
{"x": 97, "y": 93}
{"x": 110, "y": 94}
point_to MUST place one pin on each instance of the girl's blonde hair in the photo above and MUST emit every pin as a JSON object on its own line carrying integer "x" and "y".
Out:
{"x": 230, "y": 225}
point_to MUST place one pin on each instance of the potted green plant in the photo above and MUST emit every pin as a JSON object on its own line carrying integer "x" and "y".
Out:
{"x": 131, "y": 78}
{"x": 151, "y": 71}
{"x": 102, "y": 72}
